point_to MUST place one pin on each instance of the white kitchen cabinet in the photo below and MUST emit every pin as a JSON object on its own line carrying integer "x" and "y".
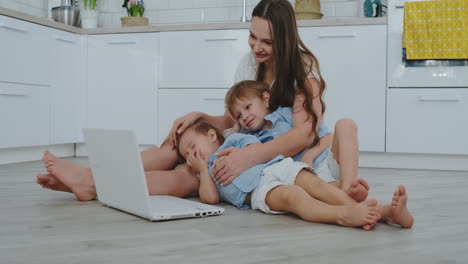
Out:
{"x": 433, "y": 121}
{"x": 201, "y": 59}
{"x": 352, "y": 61}
{"x": 68, "y": 87}
{"x": 25, "y": 52}
{"x": 24, "y": 115}
{"x": 174, "y": 103}
{"x": 122, "y": 74}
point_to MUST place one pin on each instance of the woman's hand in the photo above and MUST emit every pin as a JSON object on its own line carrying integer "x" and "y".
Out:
{"x": 197, "y": 161}
{"x": 180, "y": 124}
{"x": 230, "y": 164}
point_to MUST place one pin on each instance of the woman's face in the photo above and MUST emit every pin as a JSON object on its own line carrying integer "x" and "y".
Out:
{"x": 261, "y": 40}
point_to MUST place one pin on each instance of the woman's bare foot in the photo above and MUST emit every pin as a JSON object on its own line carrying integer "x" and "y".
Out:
{"x": 358, "y": 190}
{"x": 363, "y": 214}
{"x": 50, "y": 182}
{"x": 78, "y": 179}
{"x": 399, "y": 213}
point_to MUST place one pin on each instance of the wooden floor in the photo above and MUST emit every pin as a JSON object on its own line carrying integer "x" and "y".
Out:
{"x": 42, "y": 226}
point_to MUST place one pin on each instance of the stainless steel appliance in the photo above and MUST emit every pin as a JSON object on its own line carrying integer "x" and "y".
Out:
{"x": 418, "y": 73}
{"x": 427, "y": 102}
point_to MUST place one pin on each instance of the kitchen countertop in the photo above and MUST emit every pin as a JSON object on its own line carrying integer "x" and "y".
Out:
{"x": 188, "y": 27}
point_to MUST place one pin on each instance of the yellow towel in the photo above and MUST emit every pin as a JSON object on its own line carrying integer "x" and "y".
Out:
{"x": 436, "y": 29}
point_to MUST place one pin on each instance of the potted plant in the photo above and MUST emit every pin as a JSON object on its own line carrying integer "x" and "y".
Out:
{"x": 89, "y": 14}
{"x": 135, "y": 12}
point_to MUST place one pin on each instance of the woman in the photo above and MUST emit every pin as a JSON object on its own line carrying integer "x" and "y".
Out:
{"x": 279, "y": 59}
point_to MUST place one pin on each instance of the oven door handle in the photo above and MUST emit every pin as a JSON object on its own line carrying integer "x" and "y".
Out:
{"x": 400, "y": 4}
{"x": 439, "y": 98}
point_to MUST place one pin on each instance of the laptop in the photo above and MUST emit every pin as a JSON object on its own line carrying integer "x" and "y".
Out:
{"x": 120, "y": 180}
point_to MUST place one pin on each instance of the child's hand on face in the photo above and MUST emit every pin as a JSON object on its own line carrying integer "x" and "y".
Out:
{"x": 197, "y": 161}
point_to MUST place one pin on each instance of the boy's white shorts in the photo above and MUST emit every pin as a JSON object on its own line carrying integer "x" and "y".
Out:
{"x": 328, "y": 170}
{"x": 281, "y": 173}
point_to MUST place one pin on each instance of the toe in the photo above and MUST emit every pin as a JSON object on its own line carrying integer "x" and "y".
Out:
{"x": 371, "y": 202}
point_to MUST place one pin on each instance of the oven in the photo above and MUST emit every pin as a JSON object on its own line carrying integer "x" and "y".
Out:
{"x": 418, "y": 73}
{"x": 427, "y": 100}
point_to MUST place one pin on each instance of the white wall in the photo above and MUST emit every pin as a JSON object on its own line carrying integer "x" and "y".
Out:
{"x": 209, "y": 11}
{"x": 181, "y": 11}
{"x": 32, "y": 7}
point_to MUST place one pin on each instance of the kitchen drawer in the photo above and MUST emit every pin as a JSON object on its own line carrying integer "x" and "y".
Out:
{"x": 201, "y": 59}
{"x": 174, "y": 103}
{"x": 427, "y": 121}
{"x": 25, "y": 52}
{"x": 24, "y": 115}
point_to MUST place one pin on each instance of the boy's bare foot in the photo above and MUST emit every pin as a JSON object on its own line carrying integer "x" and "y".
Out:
{"x": 363, "y": 214}
{"x": 78, "y": 179}
{"x": 358, "y": 190}
{"x": 50, "y": 182}
{"x": 399, "y": 212}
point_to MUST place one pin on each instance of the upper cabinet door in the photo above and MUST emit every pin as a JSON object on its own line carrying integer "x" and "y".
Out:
{"x": 122, "y": 83}
{"x": 201, "y": 59}
{"x": 25, "y": 52}
{"x": 352, "y": 61}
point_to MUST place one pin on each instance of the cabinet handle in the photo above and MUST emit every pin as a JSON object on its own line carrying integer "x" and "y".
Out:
{"x": 400, "y": 4}
{"x": 213, "y": 99}
{"x": 2, "y": 25}
{"x": 342, "y": 35}
{"x": 64, "y": 40}
{"x": 122, "y": 43}
{"x": 12, "y": 93}
{"x": 221, "y": 39}
{"x": 439, "y": 98}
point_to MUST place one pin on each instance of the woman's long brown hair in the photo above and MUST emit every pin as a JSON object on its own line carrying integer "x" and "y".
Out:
{"x": 289, "y": 55}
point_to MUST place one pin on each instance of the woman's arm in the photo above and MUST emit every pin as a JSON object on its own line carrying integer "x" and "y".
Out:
{"x": 232, "y": 162}
{"x": 311, "y": 154}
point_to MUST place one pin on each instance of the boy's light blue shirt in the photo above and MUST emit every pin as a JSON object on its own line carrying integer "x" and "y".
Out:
{"x": 236, "y": 192}
{"x": 281, "y": 120}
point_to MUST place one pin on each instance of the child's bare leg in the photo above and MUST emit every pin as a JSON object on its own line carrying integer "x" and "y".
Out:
{"x": 322, "y": 190}
{"x": 346, "y": 152}
{"x": 397, "y": 212}
{"x": 292, "y": 198}
{"x": 79, "y": 180}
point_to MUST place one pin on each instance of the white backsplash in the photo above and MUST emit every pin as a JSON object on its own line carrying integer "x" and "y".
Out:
{"x": 181, "y": 11}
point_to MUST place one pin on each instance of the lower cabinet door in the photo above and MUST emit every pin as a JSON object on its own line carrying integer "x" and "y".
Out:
{"x": 432, "y": 121}
{"x": 24, "y": 115}
{"x": 174, "y": 103}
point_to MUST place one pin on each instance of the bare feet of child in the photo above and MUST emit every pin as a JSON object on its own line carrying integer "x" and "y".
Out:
{"x": 358, "y": 190}
{"x": 363, "y": 214}
{"x": 76, "y": 178}
{"x": 399, "y": 212}
{"x": 50, "y": 182}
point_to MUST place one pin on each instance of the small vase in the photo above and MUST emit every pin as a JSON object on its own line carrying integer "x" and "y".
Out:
{"x": 89, "y": 18}
{"x": 134, "y": 21}
{"x": 307, "y": 9}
